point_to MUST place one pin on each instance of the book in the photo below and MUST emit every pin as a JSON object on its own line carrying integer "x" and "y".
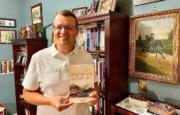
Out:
{"x": 128, "y": 105}
{"x": 161, "y": 109}
{"x": 81, "y": 82}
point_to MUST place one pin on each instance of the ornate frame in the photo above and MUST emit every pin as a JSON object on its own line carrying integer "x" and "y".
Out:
{"x": 7, "y": 36}
{"x": 80, "y": 11}
{"x": 154, "y": 51}
{"x": 140, "y": 2}
{"x": 107, "y": 5}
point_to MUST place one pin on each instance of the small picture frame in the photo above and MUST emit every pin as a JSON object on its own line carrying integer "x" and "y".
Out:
{"x": 10, "y": 23}
{"x": 107, "y": 5}
{"x": 36, "y": 14}
{"x": 80, "y": 11}
{"x": 141, "y": 2}
{"x": 7, "y": 36}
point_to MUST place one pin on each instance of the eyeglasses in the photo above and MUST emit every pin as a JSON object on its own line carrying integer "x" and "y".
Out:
{"x": 66, "y": 27}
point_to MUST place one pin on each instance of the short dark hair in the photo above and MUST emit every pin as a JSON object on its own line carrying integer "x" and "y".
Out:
{"x": 67, "y": 13}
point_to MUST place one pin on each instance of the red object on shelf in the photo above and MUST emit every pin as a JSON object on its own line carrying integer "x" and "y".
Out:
{"x": 3, "y": 109}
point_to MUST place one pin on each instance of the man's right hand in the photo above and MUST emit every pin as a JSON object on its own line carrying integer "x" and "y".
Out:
{"x": 60, "y": 102}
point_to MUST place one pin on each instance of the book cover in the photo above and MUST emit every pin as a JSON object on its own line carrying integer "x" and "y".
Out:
{"x": 81, "y": 82}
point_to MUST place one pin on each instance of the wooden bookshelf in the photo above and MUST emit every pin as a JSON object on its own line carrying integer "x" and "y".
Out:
{"x": 115, "y": 55}
{"x": 30, "y": 46}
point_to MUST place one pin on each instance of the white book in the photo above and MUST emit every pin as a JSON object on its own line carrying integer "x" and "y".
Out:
{"x": 81, "y": 82}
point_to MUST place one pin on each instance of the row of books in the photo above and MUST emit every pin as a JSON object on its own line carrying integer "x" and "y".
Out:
{"x": 99, "y": 62}
{"x": 91, "y": 37}
{"x": 99, "y": 68}
{"x": 6, "y": 67}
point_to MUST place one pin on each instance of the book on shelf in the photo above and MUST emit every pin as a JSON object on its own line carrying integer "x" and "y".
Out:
{"x": 91, "y": 37}
{"x": 161, "y": 109}
{"x": 6, "y": 67}
{"x": 81, "y": 82}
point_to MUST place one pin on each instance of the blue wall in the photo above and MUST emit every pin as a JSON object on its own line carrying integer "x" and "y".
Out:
{"x": 159, "y": 91}
{"x": 21, "y": 11}
{"x": 7, "y": 89}
{"x": 49, "y": 9}
{"x": 9, "y": 9}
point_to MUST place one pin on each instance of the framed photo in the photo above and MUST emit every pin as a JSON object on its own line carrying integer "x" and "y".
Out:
{"x": 7, "y": 36}
{"x": 154, "y": 46}
{"x": 36, "y": 14}
{"x": 4, "y": 22}
{"x": 106, "y": 5}
{"x": 140, "y": 2}
{"x": 80, "y": 11}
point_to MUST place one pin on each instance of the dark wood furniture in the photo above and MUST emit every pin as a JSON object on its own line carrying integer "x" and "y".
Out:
{"x": 116, "y": 54}
{"x": 115, "y": 110}
{"x": 29, "y": 47}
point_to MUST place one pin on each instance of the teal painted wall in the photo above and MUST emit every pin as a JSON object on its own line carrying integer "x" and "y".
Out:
{"x": 156, "y": 90}
{"x": 21, "y": 11}
{"x": 49, "y": 10}
{"x": 9, "y": 9}
{"x": 7, "y": 89}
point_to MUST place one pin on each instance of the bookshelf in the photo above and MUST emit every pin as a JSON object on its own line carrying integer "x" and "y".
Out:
{"x": 114, "y": 79}
{"x": 23, "y": 49}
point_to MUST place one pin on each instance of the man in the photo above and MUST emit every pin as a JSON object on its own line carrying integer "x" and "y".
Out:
{"x": 46, "y": 82}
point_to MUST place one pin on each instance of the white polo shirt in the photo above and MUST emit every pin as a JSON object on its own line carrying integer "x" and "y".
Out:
{"x": 48, "y": 71}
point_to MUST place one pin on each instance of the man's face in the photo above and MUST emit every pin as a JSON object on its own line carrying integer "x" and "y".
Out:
{"x": 65, "y": 31}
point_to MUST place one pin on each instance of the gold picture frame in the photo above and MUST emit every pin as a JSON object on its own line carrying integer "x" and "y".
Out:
{"x": 7, "y": 36}
{"x": 141, "y": 2}
{"x": 106, "y": 6}
{"x": 36, "y": 13}
{"x": 78, "y": 12}
{"x": 154, "y": 46}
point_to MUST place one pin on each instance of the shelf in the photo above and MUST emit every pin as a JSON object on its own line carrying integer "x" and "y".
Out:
{"x": 25, "y": 41}
{"x": 31, "y": 46}
{"x": 5, "y": 43}
{"x": 19, "y": 83}
{"x": 20, "y": 65}
{"x": 27, "y": 105}
{"x": 96, "y": 52}
{"x": 115, "y": 109}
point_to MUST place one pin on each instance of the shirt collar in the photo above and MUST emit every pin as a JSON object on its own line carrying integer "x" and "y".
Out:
{"x": 55, "y": 52}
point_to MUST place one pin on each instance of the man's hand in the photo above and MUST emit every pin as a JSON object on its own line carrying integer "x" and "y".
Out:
{"x": 60, "y": 102}
{"x": 94, "y": 99}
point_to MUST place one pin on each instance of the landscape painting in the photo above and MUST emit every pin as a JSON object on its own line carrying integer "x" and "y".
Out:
{"x": 154, "y": 46}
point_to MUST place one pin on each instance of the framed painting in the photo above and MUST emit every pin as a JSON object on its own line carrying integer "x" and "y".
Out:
{"x": 36, "y": 14}
{"x": 7, "y": 36}
{"x": 154, "y": 46}
{"x": 106, "y": 5}
{"x": 80, "y": 11}
{"x": 4, "y": 22}
{"x": 140, "y": 2}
